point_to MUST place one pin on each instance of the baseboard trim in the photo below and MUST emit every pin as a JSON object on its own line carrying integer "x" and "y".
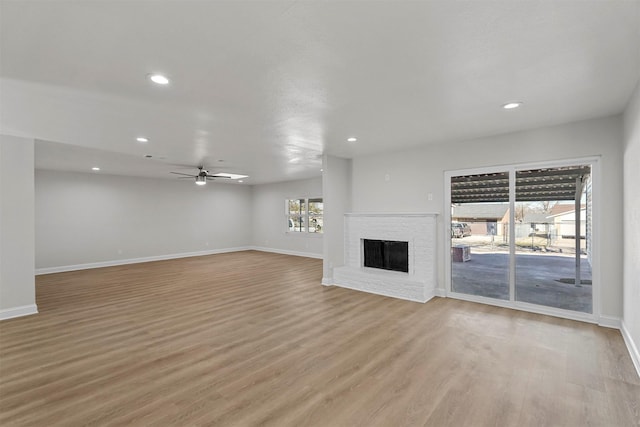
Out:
{"x": 23, "y": 310}
{"x": 286, "y": 252}
{"x": 326, "y": 281}
{"x": 439, "y": 292}
{"x": 631, "y": 346}
{"x": 609, "y": 322}
{"x": 116, "y": 262}
{"x": 113, "y": 263}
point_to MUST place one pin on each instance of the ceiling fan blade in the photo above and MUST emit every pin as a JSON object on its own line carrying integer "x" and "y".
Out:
{"x": 217, "y": 177}
{"x": 185, "y": 174}
{"x": 186, "y": 177}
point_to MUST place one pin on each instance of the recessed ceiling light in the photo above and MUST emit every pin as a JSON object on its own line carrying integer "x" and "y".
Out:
{"x": 352, "y": 139}
{"x": 511, "y": 105}
{"x": 95, "y": 168}
{"x": 241, "y": 181}
{"x": 159, "y": 79}
{"x": 321, "y": 170}
{"x": 142, "y": 139}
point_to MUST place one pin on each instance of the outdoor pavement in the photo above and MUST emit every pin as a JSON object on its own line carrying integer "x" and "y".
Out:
{"x": 538, "y": 276}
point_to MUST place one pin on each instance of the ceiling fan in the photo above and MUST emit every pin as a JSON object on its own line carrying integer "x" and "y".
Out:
{"x": 203, "y": 175}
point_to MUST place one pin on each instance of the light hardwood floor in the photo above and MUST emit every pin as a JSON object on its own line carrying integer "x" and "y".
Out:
{"x": 252, "y": 338}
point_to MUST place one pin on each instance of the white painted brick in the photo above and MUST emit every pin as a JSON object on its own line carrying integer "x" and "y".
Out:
{"x": 417, "y": 229}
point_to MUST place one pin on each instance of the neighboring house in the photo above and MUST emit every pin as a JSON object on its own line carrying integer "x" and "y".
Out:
{"x": 565, "y": 224}
{"x": 559, "y": 222}
{"x": 481, "y": 217}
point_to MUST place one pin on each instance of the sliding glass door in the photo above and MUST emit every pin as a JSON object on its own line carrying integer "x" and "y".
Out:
{"x": 523, "y": 236}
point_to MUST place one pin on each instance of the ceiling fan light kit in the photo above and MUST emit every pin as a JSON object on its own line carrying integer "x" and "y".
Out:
{"x": 203, "y": 175}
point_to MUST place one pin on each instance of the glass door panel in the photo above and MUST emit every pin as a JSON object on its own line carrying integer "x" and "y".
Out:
{"x": 480, "y": 235}
{"x": 552, "y": 255}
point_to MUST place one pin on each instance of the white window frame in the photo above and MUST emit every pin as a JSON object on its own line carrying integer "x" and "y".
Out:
{"x": 305, "y": 217}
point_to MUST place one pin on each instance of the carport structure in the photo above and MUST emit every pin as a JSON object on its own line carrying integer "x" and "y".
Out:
{"x": 562, "y": 183}
{"x": 551, "y": 184}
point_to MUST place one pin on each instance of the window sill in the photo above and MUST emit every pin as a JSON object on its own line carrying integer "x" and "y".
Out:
{"x": 304, "y": 234}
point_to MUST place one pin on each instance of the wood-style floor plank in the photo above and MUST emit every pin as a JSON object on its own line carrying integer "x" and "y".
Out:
{"x": 252, "y": 338}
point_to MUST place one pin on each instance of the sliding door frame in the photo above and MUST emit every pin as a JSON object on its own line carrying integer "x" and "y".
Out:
{"x": 593, "y": 317}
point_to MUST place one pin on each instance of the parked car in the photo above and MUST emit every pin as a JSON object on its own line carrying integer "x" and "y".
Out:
{"x": 457, "y": 230}
{"x": 460, "y": 229}
{"x": 466, "y": 230}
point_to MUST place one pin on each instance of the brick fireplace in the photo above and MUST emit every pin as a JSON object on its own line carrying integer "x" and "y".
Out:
{"x": 417, "y": 230}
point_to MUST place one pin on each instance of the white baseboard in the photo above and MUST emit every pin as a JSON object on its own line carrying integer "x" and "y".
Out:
{"x": 286, "y": 252}
{"x": 439, "y": 292}
{"x": 326, "y": 281}
{"x": 112, "y": 263}
{"x": 116, "y": 262}
{"x": 429, "y": 295}
{"x": 24, "y": 310}
{"x": 631, "y": 346}
{"x": 609, "y": 322}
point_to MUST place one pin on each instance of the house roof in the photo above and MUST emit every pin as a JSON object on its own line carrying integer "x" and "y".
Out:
{"x": 559, "y": 209}
{"x": 537, "y": 217}
{"x": 569, "y": 211}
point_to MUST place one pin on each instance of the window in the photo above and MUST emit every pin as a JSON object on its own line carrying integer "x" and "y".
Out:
{"x": 296, "y": 212}
{"x": 304, "y": 215}
{"x": 315, "y": 215}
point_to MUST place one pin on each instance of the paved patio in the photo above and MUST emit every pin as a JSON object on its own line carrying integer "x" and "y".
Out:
{"x": 538, "y": 278}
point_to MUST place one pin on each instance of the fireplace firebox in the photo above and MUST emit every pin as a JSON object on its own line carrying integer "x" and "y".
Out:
{"x": 386, "y": 255}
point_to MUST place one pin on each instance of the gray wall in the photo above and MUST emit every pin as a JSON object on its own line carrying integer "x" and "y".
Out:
{"x": 631, "y": 317}
{"x": 401, "y": 181}
{"x": 17, "y": 253}
{"x": 336, "y": 183}
{"x": 84, "y": 218}
{"x": 270, "y": 231}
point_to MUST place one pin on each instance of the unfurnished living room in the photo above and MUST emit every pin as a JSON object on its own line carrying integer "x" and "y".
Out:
{"x": 320, "y": 213}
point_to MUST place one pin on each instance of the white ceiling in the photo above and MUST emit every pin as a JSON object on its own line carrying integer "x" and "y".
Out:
{"x": 269, "y": 86}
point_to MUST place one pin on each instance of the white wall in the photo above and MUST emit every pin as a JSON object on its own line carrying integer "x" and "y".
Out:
{"x": 631, "y": 317}
{"x": 401, "y": 181}
{"x": 17, "y": 253}
{"x": 336, "y": 184}
{"x": 85, "y": 218}
{"x": 270, "y": 231}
